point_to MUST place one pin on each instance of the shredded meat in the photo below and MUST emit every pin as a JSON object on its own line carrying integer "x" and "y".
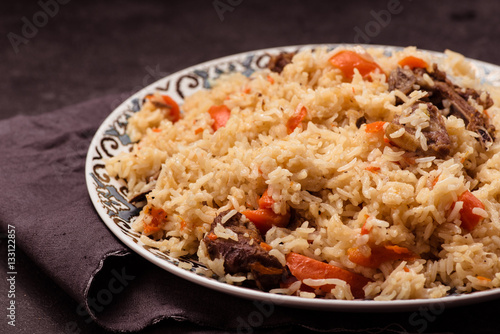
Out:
{"x": 402, "y": 79}
{"x": 407, "y": 141}
{"x": 442, "y": 90}
{"x": 246, "y": 254}
{"x": 469, "y": 93}
{"x": 438, "y": 139}
{"x": 278, "y": 62}
{"x": 476, "y": 121}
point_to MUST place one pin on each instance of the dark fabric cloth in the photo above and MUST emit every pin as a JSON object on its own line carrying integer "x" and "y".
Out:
{"x": 44, "y": 196}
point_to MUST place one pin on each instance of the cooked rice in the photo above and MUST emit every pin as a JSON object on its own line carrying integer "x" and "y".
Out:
{"x": 320, "y": 171}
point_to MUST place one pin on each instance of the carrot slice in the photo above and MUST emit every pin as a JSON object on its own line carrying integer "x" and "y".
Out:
{"x": 220, "y": 115}
{"x": 157, "y": 220}
{"x": 364, "y": 229}
{"x": 297, "y": 118}
{"x": 379, "y": 255}
{"x": 303, "y": 267}
{"x": 373, "y": 169}
{"x": 482, "y": 278}
{"x": 167, "y": 104}
{"x": 266, "y": 246}
{"x": 264, "y": 219}
{"x": 266, "y": 201}
{"x": 348, "y": 60}
{"x": 212, "y": 236}
{"x": 375, "y": 127}
{"x": 468, "y": 218}
{"x": 412, "y": 62}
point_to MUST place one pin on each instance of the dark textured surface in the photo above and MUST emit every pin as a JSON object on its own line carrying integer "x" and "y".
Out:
{"x": 94, "y": 48}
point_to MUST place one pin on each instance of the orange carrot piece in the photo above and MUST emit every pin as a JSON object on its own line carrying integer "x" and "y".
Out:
{"x": 171, "y": 109}
{"x": 373, "y": 169}
{"x": 158, "y": 217}
{"x": 375, "y": 127}
{"x": 266, "y": 247}
{"x": 436, "y": 179}
{"x": 212, "y": 236}
{"x": 412, "y": 62}
{"x": 220, "y": 115}
{"x": 364, "y": 229}
{"x": 297, "y": 118}
{"x": 197, "y": 131}
{"x": 183, "y": 225}
{"x": 482, "y": 278}
{"x": 303, "y": 267}
{"x": 379, "y": 255}
{"x": 348, "y": 60}
{"x": 468, "y": 218}
{"x": 264, "y": 219}
{"x": 270, "y": 79}
{"x": 266, "y": 201}
{"x": 175, "y": 113}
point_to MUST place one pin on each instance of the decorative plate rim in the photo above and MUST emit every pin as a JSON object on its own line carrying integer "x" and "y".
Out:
{"x": 107, "y": 199}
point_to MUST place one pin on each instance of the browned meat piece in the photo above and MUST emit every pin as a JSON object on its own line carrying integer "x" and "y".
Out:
{"x": 360, "y": 121}
{"x": 467, "y": 93}
{"x": 246, "y": 254}
{"x": 278, "y": 62}
{"x": 438, "y": 139}
{"x": 407, "y": 141}
{"x": 475, "y": 121}
{"x": 438, "y": 75}
{"x": 402, "y": 79}
{"x": 443, "y": 89}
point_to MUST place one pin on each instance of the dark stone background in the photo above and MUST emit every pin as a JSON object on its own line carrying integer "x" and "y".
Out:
{"x": 91, "y": 49}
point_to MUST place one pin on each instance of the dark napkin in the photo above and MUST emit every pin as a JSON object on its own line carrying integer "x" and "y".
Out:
{"x": 44, "y": 195}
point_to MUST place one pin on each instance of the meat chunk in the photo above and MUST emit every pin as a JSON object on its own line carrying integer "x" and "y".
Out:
{"x": 467, "y": 93}
{"x": 443, "y": 89}
{"x": 475, "y": 121}
{"x": 246, "y": 254}
{"x": 402, "y": 79}
{"x": 438, "y": 139}
{"x": 278, "y": 62}
{"x": 407, "y": 141}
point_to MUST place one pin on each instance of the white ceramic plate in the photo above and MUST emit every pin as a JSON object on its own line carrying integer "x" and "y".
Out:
{"x": 109, "y": 194}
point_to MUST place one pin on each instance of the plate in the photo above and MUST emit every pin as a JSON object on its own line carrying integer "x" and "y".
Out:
{"x": 109, "y": 195}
